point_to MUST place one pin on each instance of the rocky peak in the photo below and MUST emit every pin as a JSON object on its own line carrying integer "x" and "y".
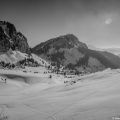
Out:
{"x": 73, "y": 41}
{"x": 8, "y": 28}
{"x": 10, "y": 38}
{"x": 66, "y": 41}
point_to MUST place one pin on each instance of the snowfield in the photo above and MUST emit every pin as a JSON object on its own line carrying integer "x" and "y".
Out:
{"x": 31, "y": 95}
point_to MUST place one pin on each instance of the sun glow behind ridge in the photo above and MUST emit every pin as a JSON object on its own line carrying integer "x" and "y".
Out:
{"x": 108, "y": 21}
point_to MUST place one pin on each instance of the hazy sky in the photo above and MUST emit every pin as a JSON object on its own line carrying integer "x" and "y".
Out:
{"x": 95, "y": 22}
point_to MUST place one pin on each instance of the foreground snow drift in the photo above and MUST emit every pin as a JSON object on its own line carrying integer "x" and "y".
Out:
{"x": 93, "y": 97}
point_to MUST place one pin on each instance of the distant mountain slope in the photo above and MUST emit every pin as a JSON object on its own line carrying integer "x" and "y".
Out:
{"x": 115, "y": 51}
{"x": 114, "y": 59}
{"x": 68, "y": 51}
{"x": 92, "y": 47}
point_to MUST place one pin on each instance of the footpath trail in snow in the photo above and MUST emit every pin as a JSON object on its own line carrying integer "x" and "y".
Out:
{"x": 93, "y": 97}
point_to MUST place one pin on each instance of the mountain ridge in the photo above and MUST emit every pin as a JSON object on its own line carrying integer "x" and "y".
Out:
{"x": 75, "y": 55}
{"x": 10, "y": 38}
{"x": 65, "y": 50}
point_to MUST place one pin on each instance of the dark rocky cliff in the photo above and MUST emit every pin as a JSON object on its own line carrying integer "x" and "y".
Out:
{"x": 10, "y": 38}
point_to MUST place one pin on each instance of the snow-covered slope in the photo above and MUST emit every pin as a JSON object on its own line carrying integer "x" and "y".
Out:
{"x": 40, "y": 60}
{"x": 12, "y": 56}
{"x": 94, "y": 97}
{"x": 15, "y": 56}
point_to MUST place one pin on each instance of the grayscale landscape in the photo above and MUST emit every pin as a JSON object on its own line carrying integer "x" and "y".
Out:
{"x": 60, "y": 60}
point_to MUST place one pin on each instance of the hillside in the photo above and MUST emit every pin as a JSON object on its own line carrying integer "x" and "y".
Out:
{"x": 69, "y": 52}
